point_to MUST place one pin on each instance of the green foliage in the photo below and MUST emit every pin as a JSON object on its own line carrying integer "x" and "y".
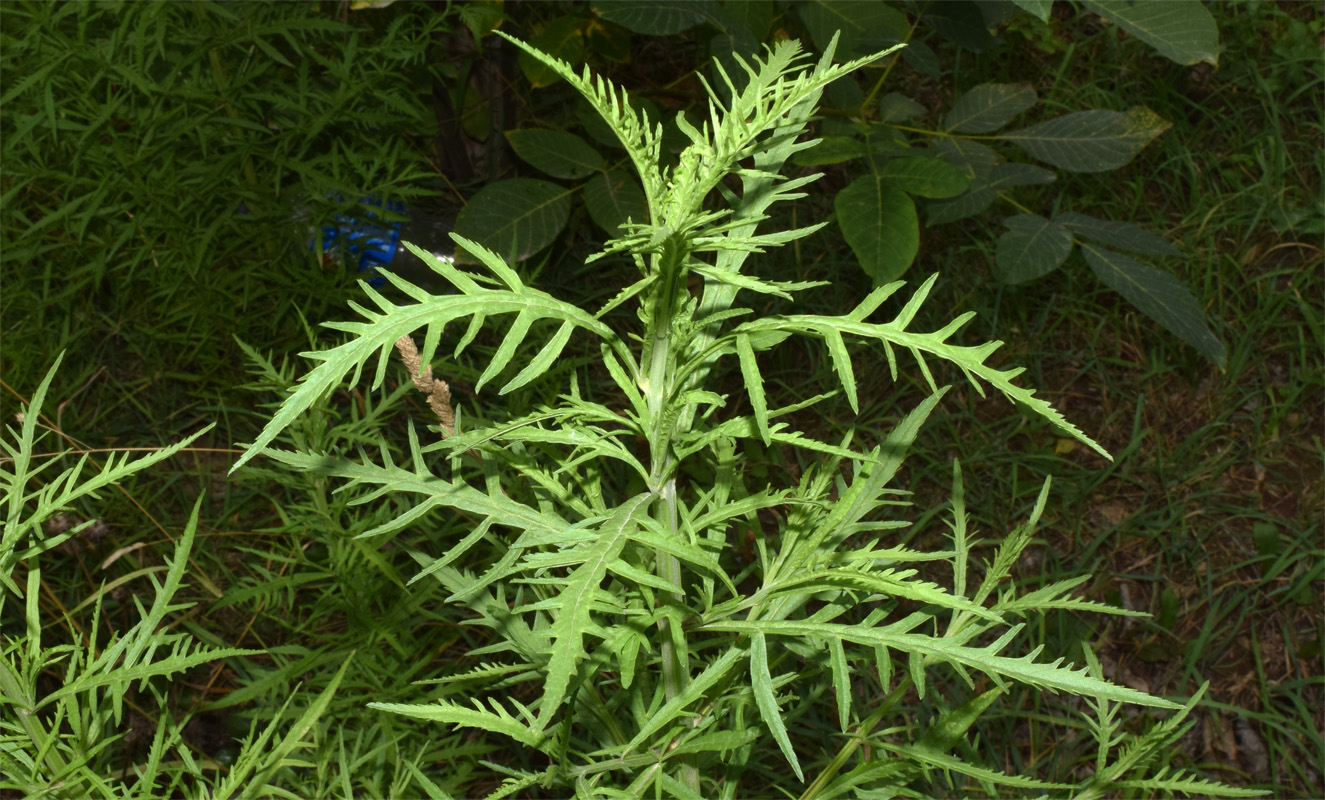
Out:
{"x": 631, "y": 648}
{"x": 56, "y": 739}
{"x": 903, "y": 172}
{"x": 155, "y": 155}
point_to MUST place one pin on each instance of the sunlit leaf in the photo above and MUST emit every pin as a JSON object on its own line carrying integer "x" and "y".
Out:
{"x": 880, "y": 224}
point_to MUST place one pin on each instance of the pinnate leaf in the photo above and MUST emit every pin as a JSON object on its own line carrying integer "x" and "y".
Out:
{"x": 1182, "y": 31}
{"x": 1159, "y": 295}
{"x": 880, "y": 224}
{"x": 558, "y": 153}
{"x": 1031, "y": 248}
{"x": 988, "y": 107}
{"x": 576, "y": 599}
{"x": 613, "y": 198}
{"x": 1114, "y": 233}
{"x": 922, "y": 176}
{"x": 1090, "y": 141}
{"x": 515, "y": 217}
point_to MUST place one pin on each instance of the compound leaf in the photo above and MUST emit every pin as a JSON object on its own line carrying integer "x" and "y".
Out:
{"x": 1031, "y": 248}
{"x": 558, "y": 153}
{"x": 1159, "y": 295}
{"x": 880, "y": 224}
{"x": 516, "y": 217}
{"x": 1182, "y": 31}
{"x": 1122, "y": 235}
{"x": 988, "y": 107}
{"x": 613, "y": 198}
{"x": 1090, "y": 141}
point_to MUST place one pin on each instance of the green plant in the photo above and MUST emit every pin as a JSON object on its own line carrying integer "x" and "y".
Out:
{"x": 635, "y": 650}
{"x": 56, "y": 739}
{"x": 155, "y": 155}
{"x": 902, "y": 167}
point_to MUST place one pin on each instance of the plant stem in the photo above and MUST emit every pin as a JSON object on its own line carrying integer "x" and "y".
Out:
{"x": 660, "y": 365}
{"x": 862, "y": 733}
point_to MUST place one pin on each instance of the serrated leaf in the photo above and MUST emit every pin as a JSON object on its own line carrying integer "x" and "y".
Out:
{"x": 562, "y": 37}
{"x": 558, "y": 153}
{"x": 516, "y": 217}
{"x": 1159, "y": 295}
{"x": 498, "y": 721}
{"x": 695, "y": 690}
{"x": 613, "y": 198}
{"x": 925, "y": 177}
{"x": 880, "y": 224}
{"x": 766, "y": 700}
{"x": 1090, "y": 141}
{"x": 1122, "y": 235}
{"x": 988, "y": 107}
{"x": 754, "y": 385}
{"x": 1182, "y": 31}
{"x": 942, "y": 735}
{"x": 718, "y": 741}
{"x": 1024, "y": 669}
{"x": 837, "y": 658}
{"x": 576, "y": 599}
{"x": 1031, "y": 248}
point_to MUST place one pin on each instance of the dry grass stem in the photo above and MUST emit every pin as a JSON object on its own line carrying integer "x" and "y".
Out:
{"x": 439, "y": 394}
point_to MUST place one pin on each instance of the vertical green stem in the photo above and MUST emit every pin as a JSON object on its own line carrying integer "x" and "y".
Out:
{"x": 659, "y": 370}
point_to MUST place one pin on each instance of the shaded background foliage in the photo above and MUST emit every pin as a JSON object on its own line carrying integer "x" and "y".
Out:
{"x": 154, "y": 155}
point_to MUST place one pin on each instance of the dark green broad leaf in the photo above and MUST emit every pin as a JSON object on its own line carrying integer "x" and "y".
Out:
{"x": 515, "y": 218}
{"x": 988, "y": 107}
{"x": 657, "y": 17}
{"x": 562, "y": 37}
{"x": 925, "y": 177}
{"x": 962, "y": 23}
{"x": 1181, "y": 30}
{"x": 1031, "y": 248}
{"x": 865, "y": 27}
{"x": 481, "y": 18}
{"x": 1122, "y": 235}
{"x": 755, "y": 16}
{"x": 831, "y": 150}
{"x": 984, "y": 189}
{"x": 558, "y": 153}
{"x": 973, "y": 157}
{"x": 880, "y": 224}
{"x": 897, "y": 107}
{"x": 1040, "y": 8}
{"x": 1159, "y": 295}
{"x": 613, "y": 198}
{"x": 922, "y": 59}
{"x": 608, "y": 41}
{"x": 1091, "y": 141}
